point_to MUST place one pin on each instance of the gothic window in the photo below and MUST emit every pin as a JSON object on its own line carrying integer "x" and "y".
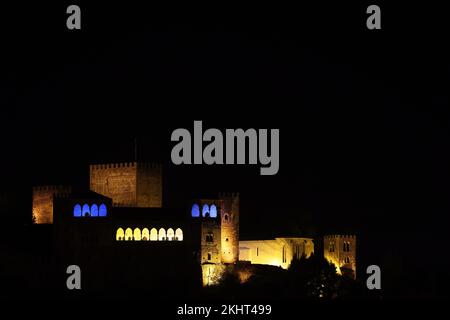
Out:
{"x": 94, "y": 210}
{"x": 77, "y": 211}
{"x": 179, "y": 234}
{"x": 86, "y": 210}
{"x": 162, "y": 234}
{"x": 195, "y": 212}
{"x": 205, "y": 210}
{"x": 145, "y": 234}
{"x": 153, "y": 235}
{"x": 213, "y": 211}
{"x": 347, "y": 259}
{"x": 119, "y": 234}
{"x": 170, "y": 234}
{"x": 137, "y": 234}
{"x": 128, "y": 234}
{"x": 226, "y": 217}
{"x": 102, "y": 211}
{"x": 209, "y": 237}
{"x": 346, "y": 246}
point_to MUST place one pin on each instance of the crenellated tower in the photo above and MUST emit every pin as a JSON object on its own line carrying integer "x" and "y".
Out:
{"x": 130, "y": 184}
{"x": 341, "y": 251}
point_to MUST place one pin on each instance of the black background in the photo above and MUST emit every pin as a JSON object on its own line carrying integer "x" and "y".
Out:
{"x": 363, "y": 115}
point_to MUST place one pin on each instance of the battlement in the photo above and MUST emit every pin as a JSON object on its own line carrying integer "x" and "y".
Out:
{"x": 56, "y": 189}
{"x": 228, "y": 194}
{"x": 339, "y": 236}
{"x": 125, "y": 165}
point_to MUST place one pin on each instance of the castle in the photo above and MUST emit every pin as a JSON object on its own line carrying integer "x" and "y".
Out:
{"x": 123, "y": 212}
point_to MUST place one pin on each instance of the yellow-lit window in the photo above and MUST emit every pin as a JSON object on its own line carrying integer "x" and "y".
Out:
{"x": 145, "y": 234}
{"x": 137, "y": 234}
{"x": 153, "y": 235}
{"x": 162, "y": 234}
{"x": 128, "y": 234}
{"x": 120, "y": 234}
{"x": 179, "y": 234}
{"x": 170, "y": 234}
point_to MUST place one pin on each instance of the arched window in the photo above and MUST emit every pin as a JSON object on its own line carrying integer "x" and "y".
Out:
{"x": 145, "y": 234}
{"x": 170, "y": 234}
{"x": 77, "y": 211}
{"x": 103, "y": 211}
{"x": 119, "y": 234}
{"x": 213, "y": 211}
{"x": 205, "y": 210}
{"x": 195, "y": 212}
{"x": 348, "y": 246}
{"x": 153, "y": 235}
{"x": 209, "y": 237}
{"x": 94, "y": 210}
{"x": 86, "y": 210}
{"x": 179, "y": 234}
{"x": 128, "y": 234}
{"x": 162, "y": 234}
{"x": 347, "y": 260}
{"x": 225, "y": 217}
{"x": 137, "y": 234}
{"x": 209, "y": 256}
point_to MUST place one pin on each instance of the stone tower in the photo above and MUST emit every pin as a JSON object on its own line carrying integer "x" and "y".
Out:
{"x": 134, "y": 184}
{"x": 229, "y": 213}
{"x": 341, "y": 251}
{"x": 43, "y": 202}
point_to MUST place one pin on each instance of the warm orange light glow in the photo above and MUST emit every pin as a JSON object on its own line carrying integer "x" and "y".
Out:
{"x": 212, "y": 274}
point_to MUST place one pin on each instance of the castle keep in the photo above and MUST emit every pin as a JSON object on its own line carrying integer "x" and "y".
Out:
{"x": 134, "y": 184}
{"x": 122, "y": 213}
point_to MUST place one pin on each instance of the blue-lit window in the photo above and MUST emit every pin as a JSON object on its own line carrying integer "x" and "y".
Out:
{"x": 86, "y": 210}
{"x": 205, "y": 210}
{"x": 94, "y": 210}
{"x": 195, "y": 212}
{"x": 103, "y": 211}
{"x": 213, "y": 211}
{"x": 77, "y": 211}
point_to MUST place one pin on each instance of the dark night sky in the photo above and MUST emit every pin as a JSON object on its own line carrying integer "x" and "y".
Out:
{"x": 363, "y": 116}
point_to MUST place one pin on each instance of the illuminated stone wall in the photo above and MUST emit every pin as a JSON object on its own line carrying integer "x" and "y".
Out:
{"x": 43, "y": 202}
{"x": 229, "y": 213}
{"x": 128, "y": 184}
{"x": 341, "y": 251}
{"x": 277, "y": 252}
